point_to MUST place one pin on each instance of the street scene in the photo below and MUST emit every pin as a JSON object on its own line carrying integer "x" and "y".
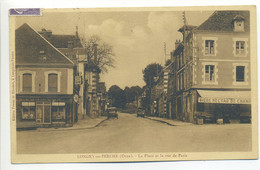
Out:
{"x": 133, "y": 81}
{"x": 130, "y": 134}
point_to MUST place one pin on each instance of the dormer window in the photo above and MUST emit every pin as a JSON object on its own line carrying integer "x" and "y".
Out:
{"x": 239, "y": 25}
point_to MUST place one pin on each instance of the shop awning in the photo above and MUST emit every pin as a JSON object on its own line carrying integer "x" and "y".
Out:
{"x": 224, "y": 97}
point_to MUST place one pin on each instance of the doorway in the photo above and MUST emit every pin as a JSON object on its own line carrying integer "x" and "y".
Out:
{"x": 43, "y": 112}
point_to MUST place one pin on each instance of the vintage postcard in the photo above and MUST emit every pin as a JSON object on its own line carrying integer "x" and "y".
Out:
{"x": 133, "y": 84}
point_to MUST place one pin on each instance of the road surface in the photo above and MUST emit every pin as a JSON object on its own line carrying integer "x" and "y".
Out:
{"x": 132, "y": 134}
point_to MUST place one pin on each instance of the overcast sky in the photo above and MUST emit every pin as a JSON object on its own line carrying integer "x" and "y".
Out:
{"x": 137, "y": 37}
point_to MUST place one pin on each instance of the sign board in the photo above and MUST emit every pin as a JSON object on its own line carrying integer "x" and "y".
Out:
{"x": 224, "y": 100}
{"x": 76, "y": 98}
{"x": 78, "y": 80}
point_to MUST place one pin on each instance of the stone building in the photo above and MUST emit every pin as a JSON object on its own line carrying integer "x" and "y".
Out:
{"x": 44, "y": 82}
{"x": 213, "y": 69}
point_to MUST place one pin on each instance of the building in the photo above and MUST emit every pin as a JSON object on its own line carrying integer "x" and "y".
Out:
{"x": 44, "y": 82}
{"x": 87, "y": 72}
{"x": 159, "y": 94}
{"x": 213, "y": 69}
{"x": 102, "y": 98}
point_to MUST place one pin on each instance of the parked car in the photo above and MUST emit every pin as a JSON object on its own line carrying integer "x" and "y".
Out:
{"x": 112, "y": 112}
{"x": 140, "y": 112}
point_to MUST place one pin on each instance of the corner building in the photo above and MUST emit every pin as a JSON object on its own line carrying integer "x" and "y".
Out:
{"x": 213, "y": 69}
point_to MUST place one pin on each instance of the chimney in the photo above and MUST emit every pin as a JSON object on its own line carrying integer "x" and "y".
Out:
{"x": 46, "y": 33}
{"x": 177, "y": 44}
{"x": 95, "y": 53}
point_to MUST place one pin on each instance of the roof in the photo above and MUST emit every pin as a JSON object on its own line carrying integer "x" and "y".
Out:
{"x": 75, "y": 53}
{"x": 33, "y": 48}
{"x": 223, "y": 21}
{"x": 187, "y": 27}
{"x": 61, "y": 41}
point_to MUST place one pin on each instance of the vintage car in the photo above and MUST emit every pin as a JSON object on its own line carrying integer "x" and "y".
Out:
{"x": 140, "y": 112}
{"x": 112, "y": 112}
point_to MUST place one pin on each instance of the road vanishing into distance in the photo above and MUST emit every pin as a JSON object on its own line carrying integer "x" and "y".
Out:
{"x": 131, "y": 134}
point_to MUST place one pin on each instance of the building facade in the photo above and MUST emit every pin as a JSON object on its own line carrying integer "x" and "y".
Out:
{"x": 213, "y": 69}
{"x": 44, "y": 82}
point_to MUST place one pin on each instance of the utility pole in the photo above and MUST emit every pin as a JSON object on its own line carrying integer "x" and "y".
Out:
{"x": 165, "y": 52}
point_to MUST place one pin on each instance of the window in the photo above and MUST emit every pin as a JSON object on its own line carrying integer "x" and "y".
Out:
{"x": 240, "y": 73}
{"x": 52, "y": 82}
{"x": 28, "y": 110}
{"x": 239, "y": 26}
{"x": 240, "y": 47}
{"x": 58, "y": 111}
{"x": 209, "y": 73}
{"x": 209, "y": 47}
{"x": 27, "y": 82}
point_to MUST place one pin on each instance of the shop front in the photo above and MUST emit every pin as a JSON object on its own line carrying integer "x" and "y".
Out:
{"x": 45, "y": 111}
{"x": 230, "y": 106}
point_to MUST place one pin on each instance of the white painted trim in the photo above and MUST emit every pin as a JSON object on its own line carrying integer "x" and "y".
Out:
{"x": 215, "y": 45}
{"x": 234, "y": 46}
{"x": 246, "y": 74}
{"x": 33, "y": 73}
{"x": 46, "y": 75}
{"x": 215, "y": 73}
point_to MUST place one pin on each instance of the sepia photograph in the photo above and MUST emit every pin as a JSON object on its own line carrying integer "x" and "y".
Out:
{"x": 133, "y": 84}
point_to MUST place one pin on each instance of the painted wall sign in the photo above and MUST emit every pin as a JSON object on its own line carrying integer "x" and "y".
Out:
{"x": 224, "y": 100}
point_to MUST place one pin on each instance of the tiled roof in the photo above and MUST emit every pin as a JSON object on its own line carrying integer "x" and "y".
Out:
{"x": 32, "y": 48}
{"x": 187, "y": 27}
{"x": 223, "y": 21}
{"x": 61, "y": 41}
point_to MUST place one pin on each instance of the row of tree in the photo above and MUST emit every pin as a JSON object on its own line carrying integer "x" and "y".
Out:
{"x": 119, "y": 97}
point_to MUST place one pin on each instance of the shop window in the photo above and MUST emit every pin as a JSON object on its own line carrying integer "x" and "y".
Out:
{"x": 58, "y": 111}
{"x": 27, "y": 82}
{"x": 209, "y": 47}
{"x": 28, "y": 110}
{"x": 209, "y": 73}
{"x": 240, "y": 47}
{"x": 240, "y": 73}
{"x": 53, "y": 82}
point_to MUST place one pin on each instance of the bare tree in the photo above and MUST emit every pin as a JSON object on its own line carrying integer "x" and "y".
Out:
{"x": 104, "y": 53}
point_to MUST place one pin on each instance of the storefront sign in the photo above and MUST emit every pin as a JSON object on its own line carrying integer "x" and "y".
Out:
{"x": 223, "y": 100}
{"x": 76, "y": 98}
{"x": 78, "y": 80}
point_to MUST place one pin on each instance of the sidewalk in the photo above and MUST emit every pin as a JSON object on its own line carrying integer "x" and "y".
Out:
{"x": 171, "y": 122}
{"x": 86, "y": 123}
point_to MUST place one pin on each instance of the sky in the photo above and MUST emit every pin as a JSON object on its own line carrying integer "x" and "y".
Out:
{"x": 137, "y": 37}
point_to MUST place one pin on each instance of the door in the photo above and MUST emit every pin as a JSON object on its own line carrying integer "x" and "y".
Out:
{"x": 43, "y": 112}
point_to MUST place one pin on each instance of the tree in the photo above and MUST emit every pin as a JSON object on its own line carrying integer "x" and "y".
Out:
{"x": 132, "y": 93}
{"x": 104, "y": 53}
{"x": 149, "y": 73}
{"x": 117, "y": 95}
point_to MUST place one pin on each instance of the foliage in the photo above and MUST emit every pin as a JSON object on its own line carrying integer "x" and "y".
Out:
{"x": 105, "y": 55}
{"x": 150, "y": 72}
{"x": 132, "y": 93}
{"x": 117, "y": 96}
